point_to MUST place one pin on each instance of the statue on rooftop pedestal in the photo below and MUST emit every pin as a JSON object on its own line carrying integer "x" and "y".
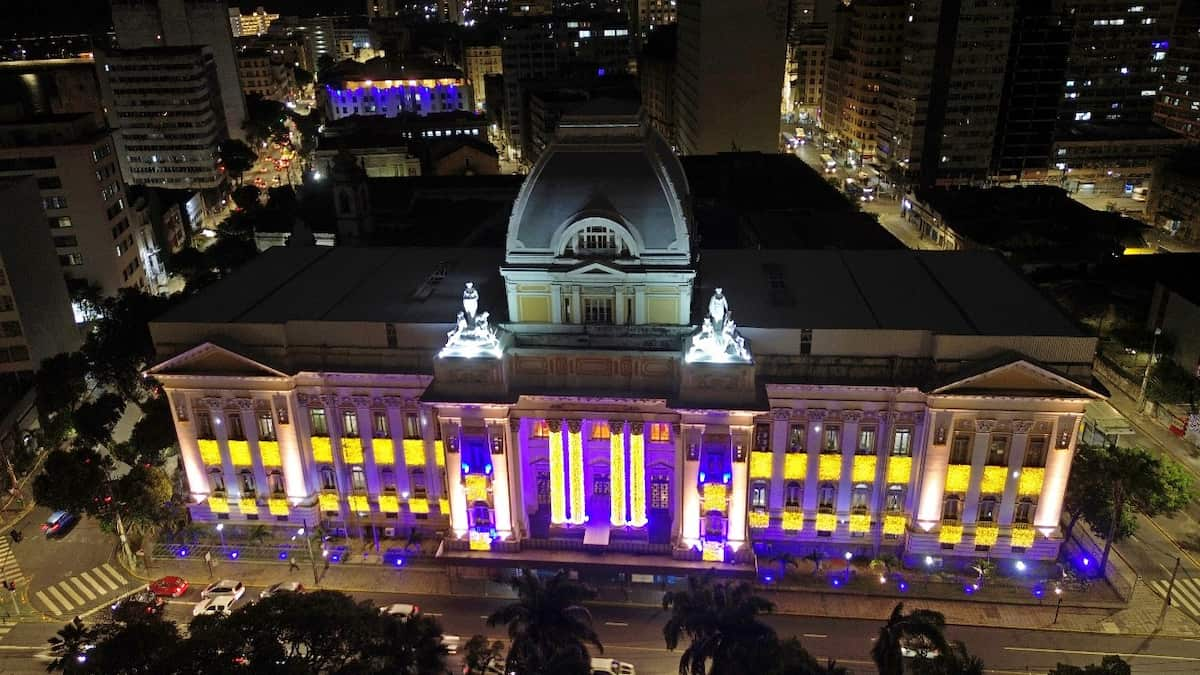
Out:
{"x": 472, "y": 336}
{"x": 717, "y": 340}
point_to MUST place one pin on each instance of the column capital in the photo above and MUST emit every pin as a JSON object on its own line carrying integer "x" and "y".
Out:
{"x": 616, "y": 426}
{"x": 637, "y": 428}
{"x": 574, "y": 426}
{"x": 555, "y": 425}
{"x": 514, "y": 424}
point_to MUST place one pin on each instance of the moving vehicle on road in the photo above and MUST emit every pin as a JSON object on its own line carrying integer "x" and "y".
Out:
{"x": 829, "y": 163}
{"x": 282, "y": 587}
{"x": 139, "y": 605}
{"x": 400, "y": 609}
{"x": 216, "y": 605}
{"x": 59, "y": 523}
{"x": 612, "y": 667}
{"x": 171, "y": 587}
{"x": 224, "y": 587}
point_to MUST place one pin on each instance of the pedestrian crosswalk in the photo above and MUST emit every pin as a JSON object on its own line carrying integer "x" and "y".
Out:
{"x": 84, "y": 590}
{"x": 9, "y": 569}
{"x": 1186, "y": 595}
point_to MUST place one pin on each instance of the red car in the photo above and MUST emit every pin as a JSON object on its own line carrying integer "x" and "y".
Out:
{"x": 169, "y": 586}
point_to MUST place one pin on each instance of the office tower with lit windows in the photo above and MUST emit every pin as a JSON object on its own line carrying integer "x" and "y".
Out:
{"x": 1178, "y": 104}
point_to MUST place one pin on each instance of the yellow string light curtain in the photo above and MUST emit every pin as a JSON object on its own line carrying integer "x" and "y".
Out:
{"x": 558, "y": 488}
{"x": 269, "y": 452}
{"x": 760, "y": 464}
{"x": 616, "y": 461}
{"x": 352, "y": 450}
{"x": 795, "y": 466}
{"x": 477, "y": 487}
{"x": 793, "y": 521}
{"x": 329, "y": 501}
{"x": 759, "y": 520}
{"x": 830, "y": 467}
{"x": 439, "y": 453}
{"x": 993, "y": 481}
{"x": 863, "y": 470}
{"x": 713, "y": 498}
{"x": 860, "y": 522}
{"x": 958, "y": 477}
{"x": 1031, "y": 481}
{"x": 358, "y": 503}
{"x": 210, "y": 452}
{"x": 826, "y": 522}
{"x": 1022, "y": 536}
{"x": 714, "y": 551}
{"x": 248, "y": 505}
{"x": 950, "y": 534}
{"x": 239, "y": 453}
{"x": 322, "y": 449}
{"x": 418, "y": 505}
{"x": 384, "y": 451}
{"x": 637, "y": 475}
{"x": 414, "y": 452}
{"x": 985, "y": 535}
{"x": 278, "y": 506}
{"x": 218, "y": 504}
{"x": 389, "y": 503}
{"x": 899, "y": 469}
{"x": 894, "y": 524}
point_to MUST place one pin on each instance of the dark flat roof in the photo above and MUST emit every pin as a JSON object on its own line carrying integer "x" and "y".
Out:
{"x": 948, "y": 292}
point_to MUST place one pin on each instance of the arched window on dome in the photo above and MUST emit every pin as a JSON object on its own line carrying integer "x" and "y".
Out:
{"x": 598, "y": 241}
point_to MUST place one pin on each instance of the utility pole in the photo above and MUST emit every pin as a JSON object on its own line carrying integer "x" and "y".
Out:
{"x": 308, "y": 545}
{"x": 124, "y": 540}
{"x": 1146, "y": 375}
{"x": 1170, "y": 590}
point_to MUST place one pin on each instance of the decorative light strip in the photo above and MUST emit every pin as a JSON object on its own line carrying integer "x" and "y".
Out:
{"x": 480, "y": 541}
{"x": 994, "y": 478}
{"x": 558, "y": 494}
{"x": 414, "y": 453}
{"x": 986, "y": 535}
{"x": 795, "y": 466}
{"x": 329, "y": 501}
{"x": 322, "y": 450}
{"x": 444, "y": 506}
{"x": 359, "y": 503}
{"x": 278, "y": 506}
{"x": 826, "y": 522}
{"x": 1031, "y": 481}
{"x": 713, "y": 498}
{"x": 352, "y": 450}
{"x": 759, "y": 520}
{"x": 958, "y": 477}
{"x": 239, "y": 453}
{"x": 477, "y": 487}
{"x": 1023, "y": 535}
{"x": 439, "y": 453}
{"x": 714, "y": 551}
{"x": 248, "y": 505}
{"x": 616, "y": 460}
{"x": 899, "y": 469}
{"x": 894, "y": 524}
{"x": 269, "y": 452}
{"x": 863, "y": 470}
{"x": 389, "y": 503}
{"x": 418, "y": 505}
{"x": 860, "y": 522}
{"x": 793, "y": 521}
{"x": 760, "y": 464}
{"x": 384, "y": 450}
{"x": 210, "y": 452}
{"x": 575, "y": 450}
{"x": 218, "y": 504}
{"x": 830, "y": 467}
{"x": 637, "y": 475}
{"x": 950, "y": 534}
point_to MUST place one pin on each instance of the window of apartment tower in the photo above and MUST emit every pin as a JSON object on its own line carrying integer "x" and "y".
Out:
{"x": 832, "y": 441}
{"x": 762, "y": 436}
{"x": 236, "y": 432}
{"x": 998, "y": 451}
{"x": 412, "y": 425}
{"x": 275, "y": 482}
{"x": 1035, "y": 452}
{"x": 866, "y": 441}
{"x": 598, "y": 310}
{"x": 987, "y": 510}
{"x": 328, "y": 479}
{"x": 796, "y": 438}
{"x": 858, "y": 499}
{"x": 960, "y": 449}
{"x": 895, "y": 499}
{"x": 600, "y": 431}
{"x": 266, "y": 425}
{"x": 543, "y": 488}
{"x": 358, "y": 478}
{"x": 316, "y": 418}
{"x": 806, "y": 335}
{"x": 216, "y": 480}
{"x": 902, "y": 442}
{"x": 204, "y": 428}
{"x": 1023, "y": 513}
{"x": 826, "y": 496}
{"x": 539, "y": 429}
{"x": 660, "y": 492}
{"x": 379, "y": 424}
{"x": 791, "y": 494}
{"x": 418, "y": 483}
{"x": 350, "y": 424}
{"x": 247, "y": 480}
{"x": 951, "y": 508}
{"x": 660, "y": 432}
{"x": 758, "y": 495}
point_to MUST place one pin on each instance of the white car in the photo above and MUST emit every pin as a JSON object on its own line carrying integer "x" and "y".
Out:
{"x": 451, "y": 643}
{"x": 400, "y": 609}
{"x": 612, "y": 667}
{"x": 917, "y": 648}
{"x": 216, "y": 605}
{"x": 282, "y": 587}
{"x": 229, "y": 587}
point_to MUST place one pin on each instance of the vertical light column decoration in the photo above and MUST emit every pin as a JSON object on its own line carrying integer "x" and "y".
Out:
{"x": 501, "y": 503}
{"x": 575, "y": 456}
{"x": 616, "y": 462}
{"x": 736, "y": 534}
{"x": 558, "y": 493}
{"x": 637, "y": 474}
{"x": 454, "y": 482}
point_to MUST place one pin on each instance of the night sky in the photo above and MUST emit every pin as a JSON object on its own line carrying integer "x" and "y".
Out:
{"x": 30, "y": 17}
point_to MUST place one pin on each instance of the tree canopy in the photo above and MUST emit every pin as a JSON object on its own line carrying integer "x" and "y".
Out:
{"x": 721, "y": 622}
{"x": 236, "y": 157}
{"x": 72, "y": 480}
{"x": 548, "y": 624}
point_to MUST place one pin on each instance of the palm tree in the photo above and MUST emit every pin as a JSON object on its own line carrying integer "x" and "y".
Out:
{"x": 922, "y": 625}
{"x": 791, "y": 658}
{"x": 414, "y": 645}
{"x": 548, "y": 624}
{"x": 70, "y": 646}
{"x": 258, "y": 535}
{"x": 721, "y": 621}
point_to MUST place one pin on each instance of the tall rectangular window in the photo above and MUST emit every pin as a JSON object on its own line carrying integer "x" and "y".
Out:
{"x": 412, "y": 425}
{"x": 266, "y": 426}
{"x": 1035, "y": 452}
{"x": 350, "y": 424}
{"x": 950, "y": 508}
{"x": 762, "y": 436}
{"x": 791, "y": 494}
{"x": 540, "y": 429}
{"x": 598, "y": 310}
{"x": 204, "y": 428}
{"x": 832, "y": 442}
{"x": 316, "y": 418}
{"x": 600, "y": 431}
{"x": 379, "y": 424}
{"x": 660, "y": 432}
{"x": 543, "y": 488}
{"x": 866, "y": 441}
{"x": 660, "y": 492}
{"x": 987, "y": 510}
{"x": 960, "y": 449}
{"x": 895, "y": 499}
{"x": 998, "y": 450}
{"x": 796, "y": 438}
{"x": 758, "y": 495}
{"x": 236, "y": 432}
{"x": 902, "y": 442}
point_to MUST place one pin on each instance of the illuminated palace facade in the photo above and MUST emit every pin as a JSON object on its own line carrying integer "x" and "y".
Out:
{"x": 595, "y": 392}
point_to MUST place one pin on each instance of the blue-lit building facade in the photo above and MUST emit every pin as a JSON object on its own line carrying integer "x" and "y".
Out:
{"x": 604, "y": 384}
{"x": 387, "y": 92}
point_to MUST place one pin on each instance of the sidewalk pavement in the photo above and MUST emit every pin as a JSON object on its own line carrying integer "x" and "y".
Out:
{"x": 1140, "y": 618}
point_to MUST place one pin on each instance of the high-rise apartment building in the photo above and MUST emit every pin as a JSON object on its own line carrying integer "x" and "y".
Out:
{"x": 481, "y": 62}
{"x": 165, "y": 105}
{"x": 36, "y": 321}
{"x": 728, "y": 72}
{"x": 249, "y": 25}
{"x": 187, "y": 23}
{"x": 652, "y": 14}
{"x": 948, "y": 91}
{"x": 1178, "y": 104}
{"x": 73, "y": 157}
{"x": 1118, "y": 57}
{"x": 656, "y": 79}
{"x": 863, "y": 52}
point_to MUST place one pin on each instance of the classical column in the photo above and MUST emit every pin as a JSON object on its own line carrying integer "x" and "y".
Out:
{"x": 500, "y": 485}
{"x": 619, "y": 306}
{"x": 931, "y": 484}
{"x": 189, "y": 450}
{"x": 689, "y": 496}
{"x": 575, "y": 471}
{"x": 617, "y": 490}
{"x": 516, "y": 479}
{"x": 558, "y": 492}
{"x": 979, "y": 457}
{"x": 848, "y": 443}
{"x": 576, "y": 305}
{"x": 637, "y": 474}
{"x": 1058, "y": 467}
{"x": 556, "y": 304}
{"x": 1016, "y": 457}
{"x": 454, "y": 480}
{"x": 780, "y": 422}
{"x": 738, "y": 483}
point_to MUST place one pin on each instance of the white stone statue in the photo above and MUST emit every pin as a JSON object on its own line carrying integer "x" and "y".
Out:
{"x": 472, "y": 335}
{"x": 717, "y": 340}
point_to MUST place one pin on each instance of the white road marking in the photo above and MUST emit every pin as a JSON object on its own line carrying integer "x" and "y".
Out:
{"x": 112, "y": 572}
{"x": 1083, "y": 653}
{"x": 431, "y": 613}
{"x": 83, "y": 588}
{"x": 1186, "y": 594}
{"x": 40, "y": 595}
{"x": 814, "y": 635}
{"x": 66, "y": 588}
{"x": 100, "y": 575}
{"x": 95, "y": 584}
{"x": 59, "y": 598}
{"x": 615, "y": 623}
{"x": 179, "y": 602}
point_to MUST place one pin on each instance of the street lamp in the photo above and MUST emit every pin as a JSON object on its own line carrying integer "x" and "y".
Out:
{"x": 302, "y": 532}
{"x": 1146, "y": 374}
{"x": 1058, "y": 607}
{"x": 221, "y": 533}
